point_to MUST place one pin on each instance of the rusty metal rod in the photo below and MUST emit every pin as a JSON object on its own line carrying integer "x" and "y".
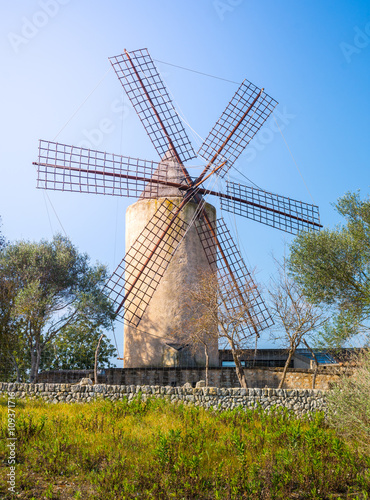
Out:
{"x": 258, "y": 205}
{"x": 114, "y": 174}
{"x": 211, "y": 173}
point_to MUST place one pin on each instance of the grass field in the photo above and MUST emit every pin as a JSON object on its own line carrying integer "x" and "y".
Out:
{"x": 157, "y": 450}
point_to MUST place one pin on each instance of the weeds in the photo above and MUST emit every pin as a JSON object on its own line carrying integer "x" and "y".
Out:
{"x": 155, "y": 450}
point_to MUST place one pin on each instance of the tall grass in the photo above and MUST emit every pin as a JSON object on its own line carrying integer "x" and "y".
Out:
{"x": 157, "y": 450}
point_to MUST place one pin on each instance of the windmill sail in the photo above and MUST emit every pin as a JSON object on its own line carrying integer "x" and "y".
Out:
{"x": 137, "y": 276}
{"x": 236, "y": 283}
{"x": 243, "y": 117}
{"x": 69, "y": 168}
{"x": 271, "y": 209}
{"x": 150, "y": 98}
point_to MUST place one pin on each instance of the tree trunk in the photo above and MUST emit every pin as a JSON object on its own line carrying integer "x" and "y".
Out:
{"x": 315, "y": 374}
{"x": 316, "y": 364}
{"x": 16, "y": 367}
{"x": 38, "y": 359}
{"x": 290, "y": 355}
{"x": 238, "y": 367}
{"x": 35, "y": 363}
{"x": 207, "y": 362}
{"x": 255, "y": 352}
{"x": 96, "y": 360}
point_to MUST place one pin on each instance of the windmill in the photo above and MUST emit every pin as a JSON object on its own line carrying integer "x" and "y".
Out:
{"x": 171, "y": 231}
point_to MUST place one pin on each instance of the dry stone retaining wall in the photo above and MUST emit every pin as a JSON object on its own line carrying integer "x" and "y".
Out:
{"x": 300, "y": 401}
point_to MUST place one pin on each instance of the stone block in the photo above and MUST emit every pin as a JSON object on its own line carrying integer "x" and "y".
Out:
{"x": 200, "y": 383}
{"x": 291, "y": 393}
{"x": 213, "y": 391}
{"x": 86, "y": 381}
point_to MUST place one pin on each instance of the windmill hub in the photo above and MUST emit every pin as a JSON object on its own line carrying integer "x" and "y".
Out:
{"x": 170, "y": 169}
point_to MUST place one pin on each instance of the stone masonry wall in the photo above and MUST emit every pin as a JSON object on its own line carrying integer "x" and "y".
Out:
{"x": 300, "y": 401}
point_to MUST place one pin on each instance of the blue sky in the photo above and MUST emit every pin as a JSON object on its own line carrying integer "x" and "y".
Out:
{"x": 312, "y": 57}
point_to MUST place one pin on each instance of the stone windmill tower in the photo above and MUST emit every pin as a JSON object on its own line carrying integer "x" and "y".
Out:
{"x": 170, "y": 230}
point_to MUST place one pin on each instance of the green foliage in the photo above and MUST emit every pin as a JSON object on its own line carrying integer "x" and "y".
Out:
{"x": 349, "y": 403}
{"x": 343, "y": 326}
{"x": 332, "y": 267}
{"x": 153, "y": 449}
{"x": 10, "y": 342}
{"x": 74, "y": 348}
{"x": 46, "y": 288}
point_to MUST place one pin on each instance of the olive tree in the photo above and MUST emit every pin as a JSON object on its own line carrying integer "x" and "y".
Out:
{"x": 50, "y": 287}
{"x": 332, "y": 268}
{"x": 74, "y": 348}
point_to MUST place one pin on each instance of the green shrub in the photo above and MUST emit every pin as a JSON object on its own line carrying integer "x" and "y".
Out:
{"x": 349, "y": 403}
